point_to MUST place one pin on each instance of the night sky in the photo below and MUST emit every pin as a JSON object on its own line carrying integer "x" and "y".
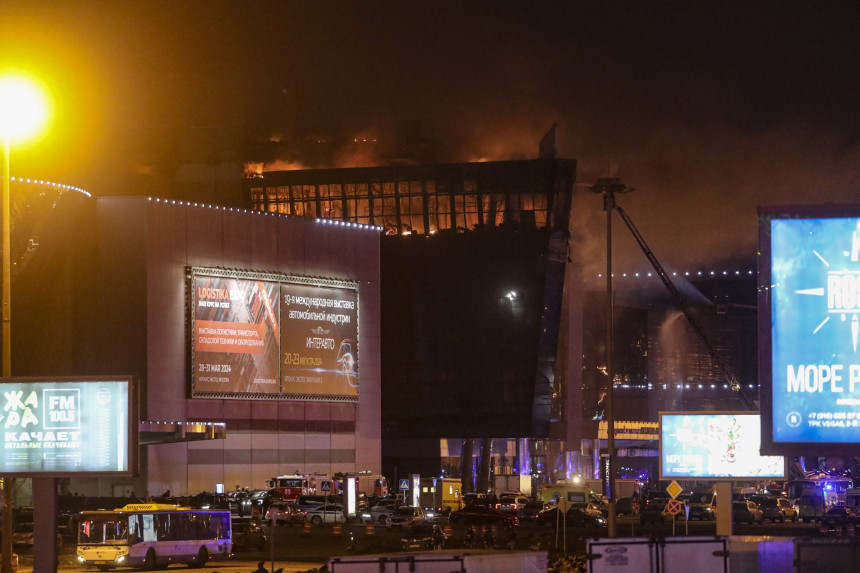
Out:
{"x": 707, "y": 109}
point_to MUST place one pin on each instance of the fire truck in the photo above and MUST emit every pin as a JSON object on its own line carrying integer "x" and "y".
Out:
{"x": 292, "y": 486}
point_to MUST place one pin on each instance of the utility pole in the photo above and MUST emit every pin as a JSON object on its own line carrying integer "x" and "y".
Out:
{"x": 608, "y": 187}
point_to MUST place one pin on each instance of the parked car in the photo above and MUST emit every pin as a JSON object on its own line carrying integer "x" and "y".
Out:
{"x": 839, "y": 517}
{"x": 532, "y": 508}
{"x": 284, "y": 513}
{"x": 769, "y": 507}
{"x": 574, "y": 517}
{"x": 627, "y": 506}
{"x": 306, "y": 502}
{"x": 512, "y": 504}
{"x": 746, "y": 512}
{"x": 330, "y": 513}
{"x": 789, "y": 511}
{"x": 406, "y": 516}
{"x": 482, "y": 514}
{"x": 654, "y": 512}
{"x": 470, "y": 499}
{"x": 380, "y": 512}
{"x": 22, "y": 535}
{"x": 248, "y": 535}
{"x": 239, "y": 502}
{"x": 261, "y": 499}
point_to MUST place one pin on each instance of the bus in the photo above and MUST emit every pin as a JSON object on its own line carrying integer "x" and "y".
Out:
{"x": 152, "y": 535}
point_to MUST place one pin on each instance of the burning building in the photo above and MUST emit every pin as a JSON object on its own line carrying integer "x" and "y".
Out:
{"x": 473, "y": 270}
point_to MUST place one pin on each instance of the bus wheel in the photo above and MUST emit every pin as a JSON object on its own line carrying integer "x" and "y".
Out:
{"x": 151, "y": 562}
{"x": 202, "y": 557}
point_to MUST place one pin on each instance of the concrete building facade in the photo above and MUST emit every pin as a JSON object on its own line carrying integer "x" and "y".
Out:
{"x": 108, "y": 294}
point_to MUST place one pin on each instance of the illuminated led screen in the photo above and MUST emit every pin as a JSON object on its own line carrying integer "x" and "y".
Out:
{"x": 814, "y": 300}
{"x": 66, "y": 426}
{"x": 266, "y": 335}
{"x": 715, "y": 446}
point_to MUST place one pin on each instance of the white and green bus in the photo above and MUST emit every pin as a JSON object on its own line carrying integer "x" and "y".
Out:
{"x": 152, "y": 536}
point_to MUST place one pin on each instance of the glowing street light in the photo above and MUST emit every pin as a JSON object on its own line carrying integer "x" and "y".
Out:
{"x": 24, "y": 112}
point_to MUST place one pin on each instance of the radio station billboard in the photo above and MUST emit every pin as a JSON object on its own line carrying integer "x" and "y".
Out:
{"x": 266, "y": 335}
{"x": 68, "y": 426}
{"x": 809, "y": 329}
{"x": 715, "y": 446}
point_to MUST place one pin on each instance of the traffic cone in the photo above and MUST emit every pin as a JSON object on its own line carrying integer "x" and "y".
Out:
{"x": 369, "y": 532}
{"x": 448, "y": 530}
{"x": 336, "y": 529}
{"x": 306, "y": 528}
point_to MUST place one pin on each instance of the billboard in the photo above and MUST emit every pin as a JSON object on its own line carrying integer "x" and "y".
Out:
{"x": 235, "y": 335}
{"x": 262, "y": 335}
{"x": 715, "y": 446}
{"x": 319, "y": 340}
{"x": 809, "y": 329}
{"x": 68, "y": 426}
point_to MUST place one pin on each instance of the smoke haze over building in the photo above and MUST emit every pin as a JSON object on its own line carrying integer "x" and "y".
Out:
{"x": 707, "y": 110}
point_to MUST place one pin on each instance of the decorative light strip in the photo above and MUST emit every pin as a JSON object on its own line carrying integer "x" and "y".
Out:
{"x": 263, "y": 213}
{"x": 674, "y": 386}
{"x": 337, "y": 223}
{"x": 684, "y": 274}
{"x": 51, "y": 184}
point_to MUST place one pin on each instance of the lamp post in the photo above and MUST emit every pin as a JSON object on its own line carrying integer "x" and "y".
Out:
{"x": 608, "y": 187}
{"x": 23, "y": 113}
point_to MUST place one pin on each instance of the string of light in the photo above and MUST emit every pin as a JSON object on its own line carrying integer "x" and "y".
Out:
{"x": 53, "y": 184}
{"x": 332, "y": 222}
{"x": 684, "y": 274}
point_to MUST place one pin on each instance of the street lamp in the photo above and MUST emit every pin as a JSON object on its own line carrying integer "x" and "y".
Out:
{"x": 24, "y": 112}
{"x": 608, "y": 187}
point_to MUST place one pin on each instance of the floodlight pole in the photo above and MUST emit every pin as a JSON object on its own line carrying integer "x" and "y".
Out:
{"x": 608, "y": 187}
{"x": 6, "y": 255}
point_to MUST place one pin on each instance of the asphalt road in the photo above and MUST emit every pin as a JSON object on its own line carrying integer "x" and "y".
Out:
{"x": 297, "y": 550}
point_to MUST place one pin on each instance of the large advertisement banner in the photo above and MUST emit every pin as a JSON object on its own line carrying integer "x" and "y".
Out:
{"x": 66, "y": 427}
{"x": 714, "y": 446}
{"x": 235, "y": 326}
{"x": 815, "y": 301}
{"x": 265, "y": 335}
{"x": 318, "y": 344}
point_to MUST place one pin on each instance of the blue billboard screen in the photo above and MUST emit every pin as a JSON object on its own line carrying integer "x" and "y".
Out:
{"x": 814, "y": 330}
{"x": 718, "y": 445}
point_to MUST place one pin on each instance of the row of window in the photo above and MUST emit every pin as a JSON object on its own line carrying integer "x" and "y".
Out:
{"x": 405, "y": 207}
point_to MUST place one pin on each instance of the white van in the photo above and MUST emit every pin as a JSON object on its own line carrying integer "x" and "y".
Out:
{"x": 810, "y": 506}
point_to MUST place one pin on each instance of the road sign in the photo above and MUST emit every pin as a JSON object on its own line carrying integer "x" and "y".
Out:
{"x": 674, "y": 489}
{"x": 404, "y": 484}
{"x": 326, "y": 486}
{"x": 674, "y": 506}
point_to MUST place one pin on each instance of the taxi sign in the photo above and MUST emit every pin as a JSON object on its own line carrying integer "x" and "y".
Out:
{"x": 673, "y": 507}
{"x": 674, "y": 489}
{"x": 404, "y": 484}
